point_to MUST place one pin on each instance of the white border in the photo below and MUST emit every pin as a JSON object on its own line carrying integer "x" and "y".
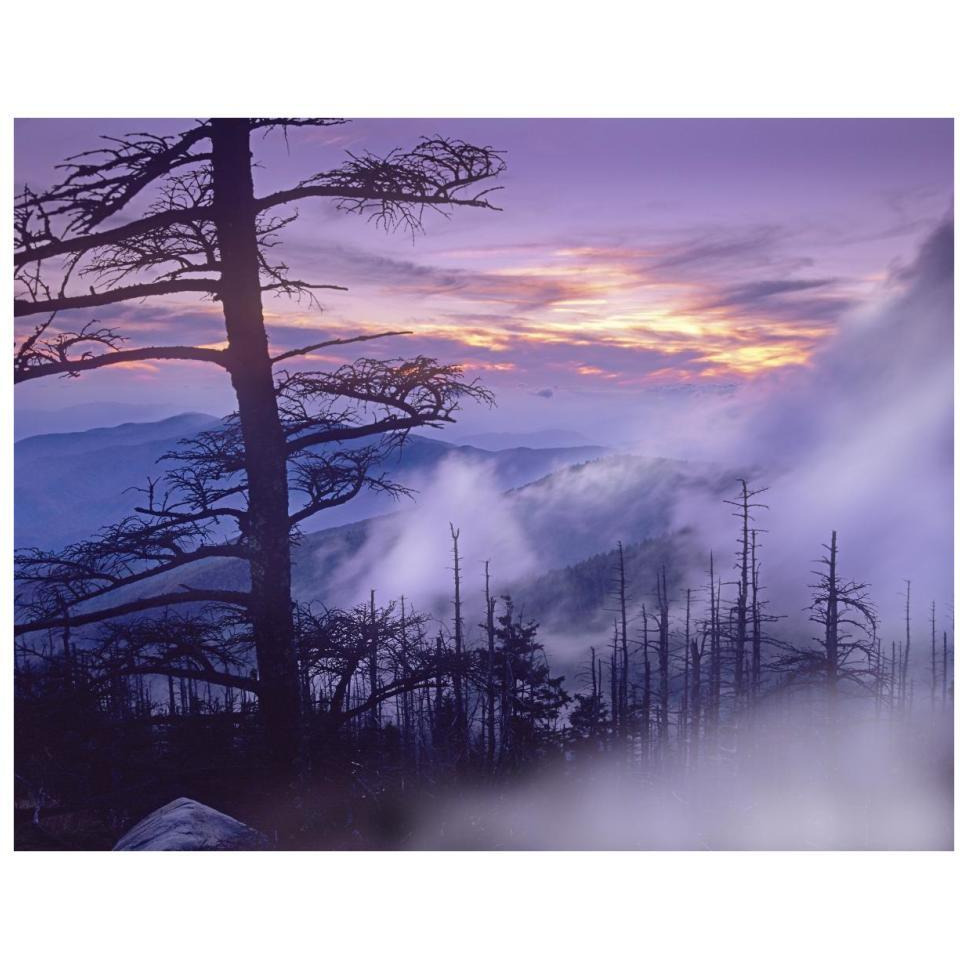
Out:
{"x": 495, "y": 59}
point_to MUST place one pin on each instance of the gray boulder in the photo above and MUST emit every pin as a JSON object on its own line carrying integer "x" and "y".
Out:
{"x": 185, "y": 824}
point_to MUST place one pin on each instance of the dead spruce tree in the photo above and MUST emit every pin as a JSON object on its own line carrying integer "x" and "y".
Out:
{"x": 745, "y": 505}
{"x": 843, "y": 650}
{"x": 459, "y": 709}
{"x": 148, "y": 215}
{"x": 491, "y": 633}
{"x": 905, "y": 669}
{"x": 662, "y": 620}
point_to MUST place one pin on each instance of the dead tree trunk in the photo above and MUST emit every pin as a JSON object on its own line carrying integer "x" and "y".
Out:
{"x": 624, "y": 659}
{"x": 645, "y": 710}
{"x": 407, "y": 695}
{"x": 905, "y": 668}
{"x": 933, "y": 654}
{"x": 439, "y": 739}
{"x": 831, "y": 626}
{"x": 744, "y": 505}
{"x": 878, "y": 655}
{"x": 715, "y": 653}
{"x": 268, "y": 534}
{"x": 695, "y": 698}
{"x": 946, "y": 672}
{"x": 741, "y": 635}
{"x": 594, "y": 694}
{"x": 615, "y": 681}
{"x": 755, "y": 615}
{"x": 491, "y": 694}
{"x": 663, "y": 656}
{"x": 893, "y": 676}
{"x": 506, "y": 706}
{"x": 374, "y": 642}
{"x": 460, "y": 714}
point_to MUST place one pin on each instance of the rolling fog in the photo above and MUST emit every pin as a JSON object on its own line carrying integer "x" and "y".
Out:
{"x": 859, "y": 441}
{"x": 782, "y": 783}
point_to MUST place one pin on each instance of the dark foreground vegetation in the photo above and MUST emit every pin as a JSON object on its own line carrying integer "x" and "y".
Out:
{"x": 405, "y": 716}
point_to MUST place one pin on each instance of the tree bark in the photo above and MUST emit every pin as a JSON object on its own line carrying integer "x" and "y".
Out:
{"x": 905, "y": 667}
{"x": 831, "y": 640}
{"x": 460, "y": 713}
{"x": 491, "y": 696}
{"x": 663, "y": 657}
{"x": 624, "y": 662}
{"x": 740, "y": 656}
{"x": 271, "y": 609}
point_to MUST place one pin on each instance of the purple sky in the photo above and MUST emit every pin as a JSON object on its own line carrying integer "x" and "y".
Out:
{"x": 631, "y": 256}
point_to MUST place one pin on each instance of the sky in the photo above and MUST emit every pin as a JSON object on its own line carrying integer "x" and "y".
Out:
{"x": 634, "y": 264}
{"x": 774, "y": 296}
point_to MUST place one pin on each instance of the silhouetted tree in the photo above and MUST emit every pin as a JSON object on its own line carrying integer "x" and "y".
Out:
{"x": 624, "y": 656}
{"x": 532, "y": 698}
{"x": 933, "y": 654}
{"x": 491, "y": 695}
{"x": 905, "y": 666}
{"x": 846, "y": 614}
{"x": 148, "y": 215}
{"x": 460, "y": 713}
{"x": 744, "y": 504}
{"x": 663, "y": 654}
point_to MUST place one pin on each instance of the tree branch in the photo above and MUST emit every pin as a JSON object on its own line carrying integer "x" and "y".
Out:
{"x": 74, "y": 367}
{"x": 340, "y": 434}
{"x": 189, "y": 595}
{"x": 82, "y": 244}
{"x": 363, "y": 195}
{"x": 24, "y": 308}
{"x": 302, "y": 351}
{"x": 236, "y": 680}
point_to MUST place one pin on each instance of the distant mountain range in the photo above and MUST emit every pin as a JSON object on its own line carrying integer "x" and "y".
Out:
{"x": 32, "y": 421}
{"x": 67, "y": 485}
{"x": 538, "y": 439}
{"x": 547, "y": 519}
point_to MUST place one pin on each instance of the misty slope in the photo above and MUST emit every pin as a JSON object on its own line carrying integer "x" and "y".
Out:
{"x": 31, "y": 421}
{"x": 550, "y": 544}
{"x": 67, "y": 485}
{"x": 546, "y": 519}
{"x": 505, "y": 440}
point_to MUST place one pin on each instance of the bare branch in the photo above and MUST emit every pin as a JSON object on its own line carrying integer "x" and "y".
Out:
{"x": 24, "y": 308}
{"x": 188, "y": 595}
{"x": 313, "y": 347}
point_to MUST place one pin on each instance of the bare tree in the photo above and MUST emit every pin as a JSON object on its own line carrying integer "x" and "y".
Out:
{"x": 946, "y": 674}
{"x": 663, "y": 654}
{"x": 645, "y": 705}
{"x": 744, "y": 504}
{"x": 460, "y": 713}
{"x": 905, "y": 668}
{"x": 696, "y": 657}
{"x": 847, "y": 616}
{"x": 716, "y": 664}
{"x": 624, "y": 656}
{"x": 933, "y": 654}
{"x": 148, "y": 215}
{"x": 489, "y": 605}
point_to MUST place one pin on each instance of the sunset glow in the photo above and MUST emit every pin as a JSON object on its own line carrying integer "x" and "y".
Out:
{"x": 649, "y": 278}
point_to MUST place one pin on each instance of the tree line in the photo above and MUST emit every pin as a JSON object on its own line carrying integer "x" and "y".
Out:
{"x": 391, "y": 697}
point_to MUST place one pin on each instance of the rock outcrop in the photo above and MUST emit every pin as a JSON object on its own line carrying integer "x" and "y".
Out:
{"x": 185, "y": 824}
